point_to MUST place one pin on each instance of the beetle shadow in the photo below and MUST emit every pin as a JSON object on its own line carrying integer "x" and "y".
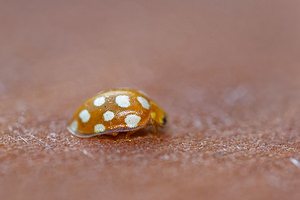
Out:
{"x": 138, "y": 134}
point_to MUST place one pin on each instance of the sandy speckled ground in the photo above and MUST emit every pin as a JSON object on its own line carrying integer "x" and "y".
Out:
{"x": 227, "y": 73}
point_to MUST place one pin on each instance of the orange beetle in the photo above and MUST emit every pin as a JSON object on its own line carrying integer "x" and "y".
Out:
{"x": 114, "y": 111}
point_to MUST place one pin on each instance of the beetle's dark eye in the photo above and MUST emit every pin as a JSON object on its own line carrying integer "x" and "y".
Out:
{"x": 164, "y": 121}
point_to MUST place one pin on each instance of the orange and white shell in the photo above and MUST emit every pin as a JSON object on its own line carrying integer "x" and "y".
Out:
{"x": 111, "y": 112}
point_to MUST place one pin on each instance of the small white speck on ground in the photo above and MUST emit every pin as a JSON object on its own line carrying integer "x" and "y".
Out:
{"x": 165, "y": 157}
{"x": 239, "y": 94}
{"x": 52, "y": 137}
{"x": 52, "y": 134}
{"x": 198, "y": 124}
{"x": 85, "y": 152}
{"x": 10, "y": 128}
{"x": 295, "y": 162}
{"x": 21, "y": 119}
{"x": 23, "y": 139}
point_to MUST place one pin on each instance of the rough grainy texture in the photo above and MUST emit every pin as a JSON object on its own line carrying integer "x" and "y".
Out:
{"x": 227, "y": 73}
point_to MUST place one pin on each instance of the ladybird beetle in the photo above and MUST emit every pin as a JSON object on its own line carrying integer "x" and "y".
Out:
{"x": 114, "y": 111}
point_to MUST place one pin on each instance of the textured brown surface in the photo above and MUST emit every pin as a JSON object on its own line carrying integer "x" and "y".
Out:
{"x": 227, "y": 73}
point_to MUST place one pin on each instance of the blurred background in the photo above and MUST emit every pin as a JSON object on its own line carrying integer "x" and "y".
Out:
{"x": 226, "y": 72}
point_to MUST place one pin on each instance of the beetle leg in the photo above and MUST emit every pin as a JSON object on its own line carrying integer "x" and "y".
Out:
{"x": 128, "y": 134}
{"x": 114, "y": 133}
{"x": 155, "y": 132}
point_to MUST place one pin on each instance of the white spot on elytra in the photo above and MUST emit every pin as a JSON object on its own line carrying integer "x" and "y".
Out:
{"x": 99, "y": 128}
{"x": 108, "y": 115}
{"x": 123, "y": 101}
{"x": 144, "y": 102}
{"x": 132, "y": 120}
{"x": 74, "y": 125}
{"x": 142, "y": 92}
{"x": 84, "y": 115}
{"x": 99, "y": 101}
